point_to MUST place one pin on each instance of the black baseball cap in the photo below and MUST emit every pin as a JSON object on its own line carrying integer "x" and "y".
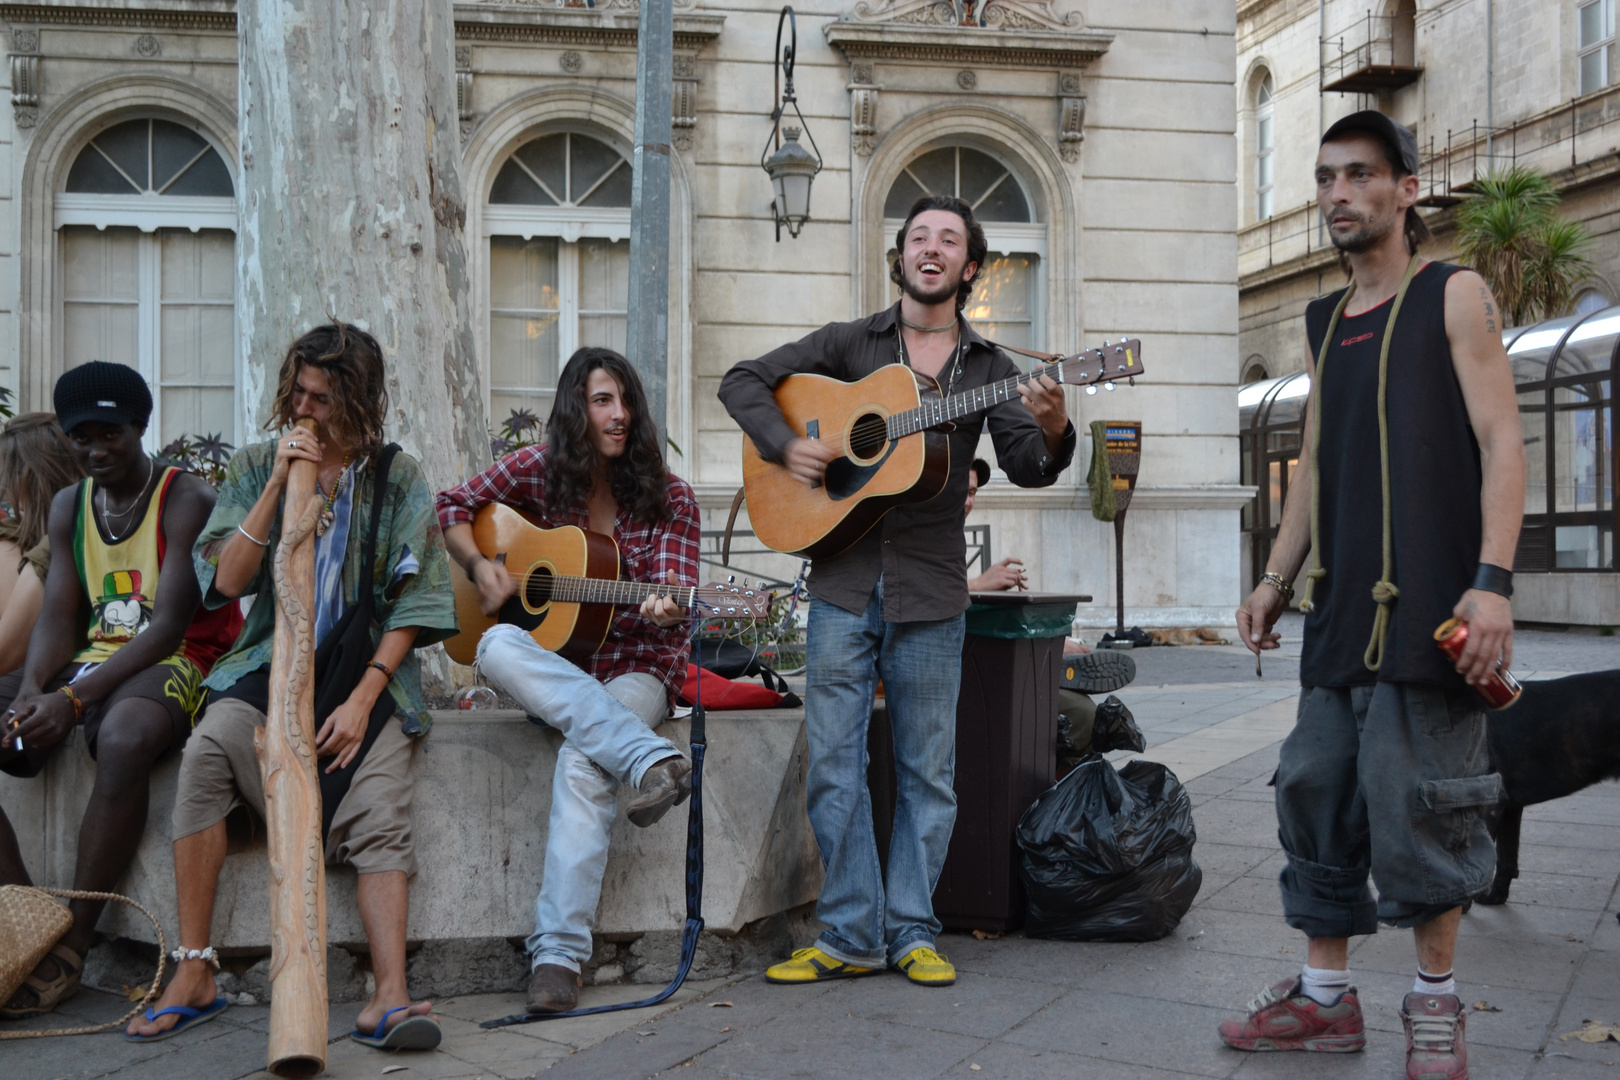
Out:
{"x": 110, "y": 393}
{"x": 1401, "y": 143}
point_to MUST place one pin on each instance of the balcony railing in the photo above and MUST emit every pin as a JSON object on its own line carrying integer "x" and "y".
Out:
{"x": 1372, "y": 55}
{"x": 1582, "y": 133}
{"x": 1280, "y": 238}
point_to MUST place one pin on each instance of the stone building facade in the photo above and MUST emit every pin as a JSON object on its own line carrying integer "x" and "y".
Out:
{"x": 1097, "y": 138}
{"x": 1484, "y": 84}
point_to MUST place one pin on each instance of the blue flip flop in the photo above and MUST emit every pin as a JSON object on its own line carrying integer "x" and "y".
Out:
{"x": 189, "y": 1018}
{"x": 412, "y": 1033}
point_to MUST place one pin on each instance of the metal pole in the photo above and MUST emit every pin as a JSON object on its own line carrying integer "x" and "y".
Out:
{"x": 647, "y": 336}
{"x": 1119, "y": 574}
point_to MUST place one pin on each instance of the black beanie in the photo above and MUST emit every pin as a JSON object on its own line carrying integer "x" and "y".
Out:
{"x": 111, "y": 393}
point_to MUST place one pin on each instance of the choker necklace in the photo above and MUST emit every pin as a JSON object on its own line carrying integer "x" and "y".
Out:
{"x": 909, "y": 325}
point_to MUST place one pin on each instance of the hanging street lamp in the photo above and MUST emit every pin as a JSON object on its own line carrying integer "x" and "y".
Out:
{"x": 791, "y": 168}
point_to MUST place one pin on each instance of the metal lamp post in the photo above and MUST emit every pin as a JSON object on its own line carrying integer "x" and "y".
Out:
{"x": 791, "y": 168}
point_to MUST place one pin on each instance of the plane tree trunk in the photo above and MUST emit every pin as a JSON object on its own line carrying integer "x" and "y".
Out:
{"x": 351, "y": 206}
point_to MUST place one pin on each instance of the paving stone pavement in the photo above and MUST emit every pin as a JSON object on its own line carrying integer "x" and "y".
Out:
{"x": 1549, "y": 961}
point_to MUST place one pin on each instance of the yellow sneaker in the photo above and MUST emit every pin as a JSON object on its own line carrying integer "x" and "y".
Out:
{"x": 813, "y": 965}
{"x": 925, "y": 967}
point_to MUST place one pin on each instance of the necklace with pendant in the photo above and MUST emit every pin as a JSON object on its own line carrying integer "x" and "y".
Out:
{"x": 326, "y": 518}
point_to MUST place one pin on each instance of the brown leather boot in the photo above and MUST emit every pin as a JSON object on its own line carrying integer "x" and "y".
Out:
{"x": 664, "y": 785}
{"x": 552, "y": 989}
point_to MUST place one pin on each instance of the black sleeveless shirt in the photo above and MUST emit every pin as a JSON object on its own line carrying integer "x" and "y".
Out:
{"x": 1435, "y": 482}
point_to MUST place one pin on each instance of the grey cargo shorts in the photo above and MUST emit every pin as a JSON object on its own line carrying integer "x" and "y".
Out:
{"x": 1392, "y": 779}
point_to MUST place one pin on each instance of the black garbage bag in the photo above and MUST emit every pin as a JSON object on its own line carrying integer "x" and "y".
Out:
{"x": 1115, "y": 728}
{"x": 1107, "y": 855}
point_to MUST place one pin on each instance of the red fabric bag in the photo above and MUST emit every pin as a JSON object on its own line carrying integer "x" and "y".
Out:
{"x": 722, "y": 693}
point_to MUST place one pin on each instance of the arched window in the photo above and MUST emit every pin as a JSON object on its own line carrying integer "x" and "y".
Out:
{"x": 1589, "y": 301}
{"x": 558, "y": 224}
{"x": 1255, "y": 370}
{"x": 146, "y": 241}
{"x": 1006, "y": 305}
{"x": 1265, "y": 138}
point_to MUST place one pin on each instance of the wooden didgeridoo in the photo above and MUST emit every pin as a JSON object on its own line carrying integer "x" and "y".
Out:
{"x": 292, "y": 796}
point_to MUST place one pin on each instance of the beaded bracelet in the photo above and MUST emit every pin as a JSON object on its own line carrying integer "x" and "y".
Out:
{"x": 388, "y": 672}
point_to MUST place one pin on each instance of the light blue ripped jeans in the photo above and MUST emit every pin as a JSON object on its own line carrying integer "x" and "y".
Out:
{"x": 607, "y": 728}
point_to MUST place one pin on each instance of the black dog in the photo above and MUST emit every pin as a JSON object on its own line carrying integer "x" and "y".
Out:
{"x": 1562, "y": 735}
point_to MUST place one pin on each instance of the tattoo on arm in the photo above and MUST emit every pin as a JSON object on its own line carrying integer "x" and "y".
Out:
{"x": 1490, "y": 310}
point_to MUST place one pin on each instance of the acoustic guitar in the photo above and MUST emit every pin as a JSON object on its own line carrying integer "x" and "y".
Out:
{"x": 890, "y": 432}
{"x": 568, "y": 585}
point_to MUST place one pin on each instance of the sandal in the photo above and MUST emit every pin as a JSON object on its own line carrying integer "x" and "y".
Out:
{"x": 411, "y": 1033}
{"x": 47, "y": 993}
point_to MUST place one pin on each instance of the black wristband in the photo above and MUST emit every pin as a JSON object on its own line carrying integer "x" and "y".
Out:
{"x": 1491, "y": 578}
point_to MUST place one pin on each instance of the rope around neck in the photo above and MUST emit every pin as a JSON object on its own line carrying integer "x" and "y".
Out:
{"x": 1384, "y": 592}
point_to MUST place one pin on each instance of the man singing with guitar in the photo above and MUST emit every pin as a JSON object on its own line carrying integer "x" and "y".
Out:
{"x": 602, "y": 469}
{"x": 889, "y": 604}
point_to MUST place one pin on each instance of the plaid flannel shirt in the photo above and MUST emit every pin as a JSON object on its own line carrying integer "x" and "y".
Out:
{"x": 648, "y": 551}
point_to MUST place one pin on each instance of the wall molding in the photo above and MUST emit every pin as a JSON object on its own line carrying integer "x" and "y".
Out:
{"x": 219, "y": 15}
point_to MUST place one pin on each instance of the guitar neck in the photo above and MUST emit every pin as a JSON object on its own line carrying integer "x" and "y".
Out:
{"x": 932, "y": 413}
{"x": 588, "y": 590}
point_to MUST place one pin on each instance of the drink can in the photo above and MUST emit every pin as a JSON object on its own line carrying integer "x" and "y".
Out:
{"x": 1500, "y": 689}
{"x": 476, "y": 697}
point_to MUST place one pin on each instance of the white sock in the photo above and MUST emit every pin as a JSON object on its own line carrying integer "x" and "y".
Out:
{"x": 1324, "y": 986}
{"x": 1433, "y": 984}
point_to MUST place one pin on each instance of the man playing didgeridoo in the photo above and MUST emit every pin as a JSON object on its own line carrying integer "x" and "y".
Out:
{"x": 131, "y": 673}
{"x": 891, "y": 605}
{"x": 602, "y": 469}
{"x": 1408, "y": 499}
{"x": 333, "y": 375}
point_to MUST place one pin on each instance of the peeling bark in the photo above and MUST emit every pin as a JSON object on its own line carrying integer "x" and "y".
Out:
{"x": 351, "y": 206}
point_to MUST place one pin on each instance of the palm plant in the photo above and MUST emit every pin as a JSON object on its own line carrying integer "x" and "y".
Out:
{"x": 1531, "y": 257}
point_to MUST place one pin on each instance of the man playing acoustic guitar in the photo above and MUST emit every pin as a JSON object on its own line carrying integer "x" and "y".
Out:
{"x": 602, "y": 469}
{"x": 891, "y": 604}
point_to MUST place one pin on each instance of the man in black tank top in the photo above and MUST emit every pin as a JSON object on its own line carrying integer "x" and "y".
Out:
{"x": 1416, "y": 457}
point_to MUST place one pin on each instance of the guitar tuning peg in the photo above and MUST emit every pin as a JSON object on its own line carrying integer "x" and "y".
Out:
{"x": 731, "y": 579}
{"x": 1109, "y": 385}
{"x": 1092, "y": 389}
{"x": 1131, "y": 380}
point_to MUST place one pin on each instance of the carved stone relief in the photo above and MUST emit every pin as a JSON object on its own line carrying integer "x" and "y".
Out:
{"x": 147, "y": 45}
{"x": 464, "y": 92}
{"x": 993, "y": 14}
{"x": 25, "y": 81}
{"x": 25, "y": 41}
{"x": 863, "y": 99}
{"x": 463, "y": 57}
{"x": 967, "y": 80}
{"x": 683, "y": 107}
{"x": 1071, "y": 127}
{"x": 572, "y": 62}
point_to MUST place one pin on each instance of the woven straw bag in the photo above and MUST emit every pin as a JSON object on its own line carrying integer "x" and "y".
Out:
{"x": 31, "y": 923}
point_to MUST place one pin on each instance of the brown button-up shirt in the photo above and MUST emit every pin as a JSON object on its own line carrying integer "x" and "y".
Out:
{"x": 917, "y": 550}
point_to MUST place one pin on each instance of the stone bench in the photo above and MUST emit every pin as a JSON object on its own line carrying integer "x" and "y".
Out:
{"x": 483, "y": 797}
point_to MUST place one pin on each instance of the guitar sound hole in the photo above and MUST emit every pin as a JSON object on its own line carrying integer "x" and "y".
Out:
{"x": 867, "y": 437}
{"x": 537, "y": 590}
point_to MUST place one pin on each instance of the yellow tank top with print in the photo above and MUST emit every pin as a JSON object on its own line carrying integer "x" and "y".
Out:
{"x": 120, "y": 578}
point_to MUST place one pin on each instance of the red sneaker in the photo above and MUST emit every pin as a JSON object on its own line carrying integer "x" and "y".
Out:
{"x": 1435, "y": 1048}
{"x": 1284, "y": 1018}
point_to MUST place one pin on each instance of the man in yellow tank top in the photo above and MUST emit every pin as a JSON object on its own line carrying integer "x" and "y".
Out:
{"x": 131, "y": 673}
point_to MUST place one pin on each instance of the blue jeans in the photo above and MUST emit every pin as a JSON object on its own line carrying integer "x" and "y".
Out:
{"x": 870, "y": 920}
{"x": 608, "y": 736}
